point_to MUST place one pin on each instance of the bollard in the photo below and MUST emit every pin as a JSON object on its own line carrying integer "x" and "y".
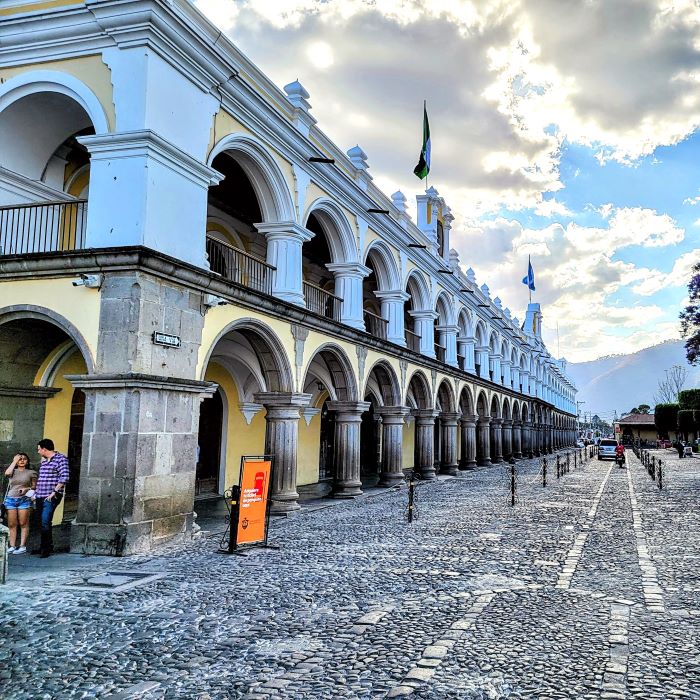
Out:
{"x": 652, "y": 471}
{"x": 544, "y": 471}
{"x": 660, "y": 474}
{"x": 558, "y": 467}
{"x": 411, "y": 494}
{"x": 567, "y": 463}
{"x": 512, "y": 482}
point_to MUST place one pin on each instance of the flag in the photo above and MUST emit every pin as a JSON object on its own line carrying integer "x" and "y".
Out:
{"x": 423, "y": 168}
{"x": 529, "y": 279}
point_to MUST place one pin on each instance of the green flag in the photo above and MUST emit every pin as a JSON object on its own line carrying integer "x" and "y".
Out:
{"x": 423, "y": 168}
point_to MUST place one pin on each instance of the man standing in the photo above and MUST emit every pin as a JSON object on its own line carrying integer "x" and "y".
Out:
{"x": 50, "y": 487}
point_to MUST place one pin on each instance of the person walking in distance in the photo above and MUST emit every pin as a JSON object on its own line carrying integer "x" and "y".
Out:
{"x": 50, "y": 487}
{"x": 18, "y": 500}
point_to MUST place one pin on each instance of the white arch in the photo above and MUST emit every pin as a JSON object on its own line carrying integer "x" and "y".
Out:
{"x": 422, "y": 302}
{"x": 268, "y": 181}
{"x": 54, "y": 81}
{"x": 388, "y": 272}
{"x": 341, "y": 237}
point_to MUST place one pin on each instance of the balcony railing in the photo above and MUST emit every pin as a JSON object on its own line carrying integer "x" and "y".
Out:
{"x": 412, "y": 340}
{"x": 376, "y": 325}
{"x": 42, "y": 228}
{"x": 439, "y": 352}
{"x": 462, "y": 362}
{"x": 238, "y": 266}
{"x": 321, "y": 302}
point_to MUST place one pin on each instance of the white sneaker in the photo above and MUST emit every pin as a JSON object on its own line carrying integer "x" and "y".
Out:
{"x": 20, "y": 550}
{"x": 10, "y": 550}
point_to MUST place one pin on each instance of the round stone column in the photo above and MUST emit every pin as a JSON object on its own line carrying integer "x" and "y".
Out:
{"x": 536, "y": 434}
{"x": 281, "y": 438}
{"x": 507, "y": 439}
{"x": 517, "y": 439}
{"x": 448, "y": 425}
{"x": 527, "y": 439}
{"x": 393, "y": 418}
{"x": 425, "y": 443}
{"x": 468, "y": 458}
{"x": 496, "y": 430}
{"x": 484, "y": 438}
{"x": 348, "y": 419}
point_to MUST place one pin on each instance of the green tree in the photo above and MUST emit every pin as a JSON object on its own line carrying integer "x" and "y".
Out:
{"x": 665, "y": 418}
{"x": 690, "y": 319}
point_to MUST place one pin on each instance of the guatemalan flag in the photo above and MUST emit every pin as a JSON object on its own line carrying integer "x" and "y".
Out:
{"x": 529, "y": 279}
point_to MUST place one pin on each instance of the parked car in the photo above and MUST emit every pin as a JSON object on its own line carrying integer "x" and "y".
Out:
{"x": 664, "y": 443}
{"x": 606, "y": 449}
{"x": 580, "y": 443}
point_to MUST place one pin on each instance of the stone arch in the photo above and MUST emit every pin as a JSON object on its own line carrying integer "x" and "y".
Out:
{"x": 482, "y": 404}
{"x": 495, "y": 407}
{"x": 481, "y": 334}
{"x": 384, "y": 265}
{"x": 444, "y": 309}
{"x": 331, "y": 366}
{"x": 465, "y": 322}
{"x": 384, "y": 382}
{"x": 337, "y": 229}
{"x": 418, "y": 393}
{"x": 466, "y": 402}
{"x": 266, "y": 177}
{"x": 446, "y": 397}
{"x": 505, "y": 410}
{"x": 417, "y": 288}
{"x": 273, "y": 372}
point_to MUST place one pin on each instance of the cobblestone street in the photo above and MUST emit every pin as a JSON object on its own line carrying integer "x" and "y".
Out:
{"x": 588, "y": 588}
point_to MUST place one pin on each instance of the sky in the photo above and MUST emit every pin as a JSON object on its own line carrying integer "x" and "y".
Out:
{"x": 562, "y": 130}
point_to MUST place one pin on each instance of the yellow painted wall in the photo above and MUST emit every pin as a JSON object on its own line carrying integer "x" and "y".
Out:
{"x": 78, "y": 305}
{"x": 57, "y": 417}
{"x": 308, "y": 450}
{"x": 35, "y": 7}
{"x": 90, "y": 70}
{"x": 241, "y": 438}
{"x": 409, "y": 441}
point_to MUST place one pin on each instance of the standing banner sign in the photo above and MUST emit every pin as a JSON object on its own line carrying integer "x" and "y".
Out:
{"x": 250, "y": 503}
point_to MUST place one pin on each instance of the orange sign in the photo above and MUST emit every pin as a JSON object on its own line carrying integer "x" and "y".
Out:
{"x": 255, "y": 487}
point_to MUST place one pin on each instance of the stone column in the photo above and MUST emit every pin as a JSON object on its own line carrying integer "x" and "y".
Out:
{"x": 466, "y": 349}
{"x": 284, "y": 243}
{"x": 392, "y": 310}
{"x": 495, "y": 368}
{"x": 517, "y": 439}
{"x": 393, "y": 418}
{"x": 505, "y": 373}
{"x": 425, "y": 327}
{"x": 348, "y": 286}
{"x": 281, "y": 438}
{"x": 507, "y": 439}
{"x": 536, "y": 433}
{"x": 526, "y": 440}
{"x": 468, "y": 458}
{"x": 425, "y": 443}
{"x": 348, "y": 418}
{"x": 497, "y": 456}
{"x": 448, "y": 424}
{"x": 448, "y": 340}
{"x": 515, "y": 378}
{"x": 484, "y": 438}
{"x": 482, "y": 354}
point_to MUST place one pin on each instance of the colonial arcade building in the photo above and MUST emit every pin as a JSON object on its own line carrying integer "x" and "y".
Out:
{"x": 185, "y": 278}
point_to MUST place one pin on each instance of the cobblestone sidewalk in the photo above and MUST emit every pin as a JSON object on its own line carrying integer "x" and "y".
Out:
{"x": 588, "y": 588}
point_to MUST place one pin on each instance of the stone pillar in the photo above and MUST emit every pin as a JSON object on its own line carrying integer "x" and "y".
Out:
{"x": 507, "y": 439}
{"x": 393, "y": 418}
{"x": 348, "y": 418}
{"x": 348, "y": 286}
{"x": 466, "y": 349}
{"x": 468, "y": 457}
{"x": 505, "y": 373}
{"x": 448, "y": 340}
{"x": 525, "y": 381}
{"x": 495, "y": 368}
{"x": 496, "y": 430}
{"x": 425, "y": 327}
{"x": 281, "y": 438}
{"x": 536, "y": 433}
{"x": 527, "y": 439}
{"x": 515, "y": 378}
{"x": 425, "y": 443}
{"x": 517, "y": 439}
{"x": 284, "y": 243}
{"x": 484, "y": 438}
{"x": 392, "y": 310}
{"x": 448, "y": 424}
{"x": 482, "y": 355}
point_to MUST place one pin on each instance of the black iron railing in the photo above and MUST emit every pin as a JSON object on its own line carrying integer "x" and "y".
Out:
{"x": 439, "y": 352}
{"x": 462, "y": 362}
{"x": 376, "y": 325}
{"x": 412, "y": 340}
{"x": 238, "y": 266}
{"x": 43, "y": 227}
{"x": 321, "y": 302}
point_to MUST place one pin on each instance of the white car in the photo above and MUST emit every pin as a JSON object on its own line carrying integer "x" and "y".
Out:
{"x": 606, "y": 449}
{"x": 580, "y": 443}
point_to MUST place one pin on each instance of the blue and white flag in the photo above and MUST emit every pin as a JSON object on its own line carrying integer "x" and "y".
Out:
{"x": 529, "y": 280}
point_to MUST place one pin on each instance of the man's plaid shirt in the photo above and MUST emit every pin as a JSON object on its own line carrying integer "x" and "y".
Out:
{"x": 51, "y": 472}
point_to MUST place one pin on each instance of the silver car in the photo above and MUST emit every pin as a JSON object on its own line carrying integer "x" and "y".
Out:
{"x": 606, "y": 449}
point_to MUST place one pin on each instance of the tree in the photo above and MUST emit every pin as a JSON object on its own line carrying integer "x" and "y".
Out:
{"x": 671, "y": 385}
{"x": 644, "y": 408}
{"x": 665, "y": 418}
{"x": 690, "y": 319}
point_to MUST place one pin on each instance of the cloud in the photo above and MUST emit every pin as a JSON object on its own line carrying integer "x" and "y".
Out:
{"x": 654, "y": 280}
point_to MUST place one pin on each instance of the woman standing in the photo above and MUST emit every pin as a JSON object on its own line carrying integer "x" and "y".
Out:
{"x": 18, "y": 500}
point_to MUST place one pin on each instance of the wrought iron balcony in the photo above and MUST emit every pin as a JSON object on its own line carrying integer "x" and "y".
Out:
{"x": 376, "y": 325}
{"x": 238, "y": 266}
{"x": 321, "y": 302}
{"x": 43, "y": 227}
{"x": 439, "y": 352}
{"x": 412, "y": 340}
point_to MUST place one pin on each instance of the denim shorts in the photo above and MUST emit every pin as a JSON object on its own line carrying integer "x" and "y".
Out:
{"x": 21, "y": 503}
